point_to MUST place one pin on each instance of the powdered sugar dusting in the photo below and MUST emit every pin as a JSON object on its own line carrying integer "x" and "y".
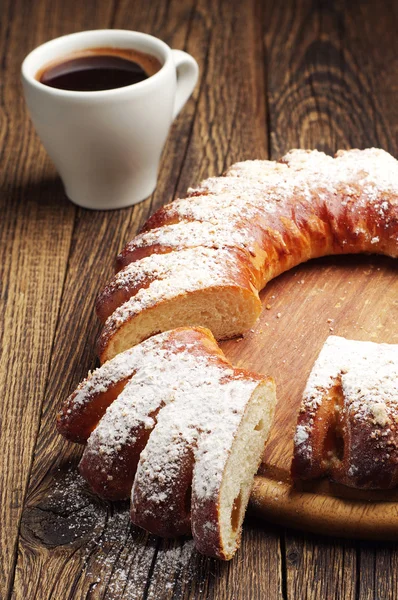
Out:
{"x": 195, "y": 265}
{"x": 301, "y": 435}
{"x": 353, "y": 181}
{"x": 176, "y": 273}
{"x": 374, "y": 169}
{"x": 113, "y": 558}
{"x": 350, "y": 204}
{"x": 221, "y": 208}
{"x": 204, "y": 416}
{"x": 380, "y": 414}
{"x": 181, "y": 235}
{"x": 367, "y": 375}
{"x": 122, "y": 366}
{"x": 368, "y": 372}
{"x": 154, "y": 385}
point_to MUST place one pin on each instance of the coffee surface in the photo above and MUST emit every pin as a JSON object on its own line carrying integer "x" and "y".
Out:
{"x": 99, "y": 69}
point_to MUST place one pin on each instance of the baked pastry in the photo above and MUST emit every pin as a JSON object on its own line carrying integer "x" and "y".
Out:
{"x": 202, "y": 260}
{"x": 174, "y": 287}
{"x": 348, "y": 422}
{"x": 173, "y": 416}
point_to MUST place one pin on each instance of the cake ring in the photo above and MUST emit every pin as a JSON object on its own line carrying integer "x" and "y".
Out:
{"x": 167, "y": 417}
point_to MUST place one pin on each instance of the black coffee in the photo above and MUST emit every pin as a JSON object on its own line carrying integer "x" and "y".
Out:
{"x": 99, "y": 69}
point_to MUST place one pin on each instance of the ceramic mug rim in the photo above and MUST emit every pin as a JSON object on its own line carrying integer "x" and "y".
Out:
{"x": 39, "y": 57}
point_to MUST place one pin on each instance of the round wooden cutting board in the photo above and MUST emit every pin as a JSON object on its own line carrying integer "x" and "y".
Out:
{"x": 352, "y": 296}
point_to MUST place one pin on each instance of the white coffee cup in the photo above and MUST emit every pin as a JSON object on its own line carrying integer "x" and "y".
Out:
{"x": 106, "y": 145}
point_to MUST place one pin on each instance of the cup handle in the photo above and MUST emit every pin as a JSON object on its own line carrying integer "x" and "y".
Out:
{"x": 187, "y": 76}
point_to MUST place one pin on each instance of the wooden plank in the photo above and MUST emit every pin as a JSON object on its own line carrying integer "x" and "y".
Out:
{"x": 36, "y": 228}
{"x": 37, "y": 223}
{"x": 105, "y": 559}
{"x": 32, "y": 281}
{"x": 324, "y": 82}
{"x": 255, "y": 572}
{"x": 96, "y": 239}
{"x": 378, "y": 566}
{"x": 230, "y": 124}
{"x": 328, "y": 88}
{"x": 317, "y": 568}
{"x": 385, "y": 571}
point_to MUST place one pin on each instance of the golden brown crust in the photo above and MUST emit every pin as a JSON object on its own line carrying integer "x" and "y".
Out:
{"x": 76, "y": 422}
{"x": 325, "y": 430}
{"x": 132, "y": 253}
{"x": 181, "y": 403}
{"x": 166, "y": 509}
{"x": 270, "y": 217}
{"x": 163, "y": 266}
{"x": 112, "y": 477}
{"x": 347, "y": 426}
{"x": 81, "y": 412}
{"x": 191, "y": 278}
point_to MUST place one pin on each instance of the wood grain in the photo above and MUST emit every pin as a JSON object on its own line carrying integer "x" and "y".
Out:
{"x": 318, "y": 569}
{"x": 50, "y": 555}
{"x": 329, "y": 74}
{"x": 96, "y": 239}
{"x": 274, "y": 75}
{"x": 35, "y": 239}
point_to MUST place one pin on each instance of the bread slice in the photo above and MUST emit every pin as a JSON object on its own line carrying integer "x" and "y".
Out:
{"x": 84, "y": 408}
{"x": 185, "y": 436}
{"x": 113, "y": 449}
{"x": 222, "y": 481}
{"x": 197, "y": 469}
{"x": 197, "y": 285}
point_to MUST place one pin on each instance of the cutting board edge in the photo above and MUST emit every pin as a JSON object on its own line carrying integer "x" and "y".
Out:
{"x": 279, "y": 503}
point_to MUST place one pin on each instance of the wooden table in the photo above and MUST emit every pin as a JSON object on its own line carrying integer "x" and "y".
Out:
{"x": 273, "y": 75}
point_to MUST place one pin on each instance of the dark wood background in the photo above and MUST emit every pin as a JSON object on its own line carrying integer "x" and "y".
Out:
{"x": 273, "y": 75}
